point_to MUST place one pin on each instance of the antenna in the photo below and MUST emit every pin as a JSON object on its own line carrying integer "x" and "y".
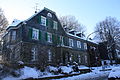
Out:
{"x": 36, "y": 7}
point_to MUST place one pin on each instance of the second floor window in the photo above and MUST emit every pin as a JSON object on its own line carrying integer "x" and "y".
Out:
{"x": 13, "y": 36}
{"x": 49, "y": 35}
{"x": 78, "y": 44}
{"x": 55, "y": 25}
{"x": 71, "y": 42}
{"x": 43, "y": 20}
{"x": 35, "y": 34}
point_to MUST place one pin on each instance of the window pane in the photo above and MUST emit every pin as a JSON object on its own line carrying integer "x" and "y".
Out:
{"x": 13, "y": 35}
{"x": 49, "y": 37}
{"x": 35, "y": 34}
{"x": 78, "y": 44}
{"x": 71, "y": 42}
{"x": 55, "y": 25}
{"x": 49, "y": 55}
{"x": 43, "y": 21}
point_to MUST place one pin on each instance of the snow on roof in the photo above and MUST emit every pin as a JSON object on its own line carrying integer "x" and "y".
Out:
{"x": 83, "y": 38}
{"x": 14, "y": 23}
{"x": 72, "y": 30}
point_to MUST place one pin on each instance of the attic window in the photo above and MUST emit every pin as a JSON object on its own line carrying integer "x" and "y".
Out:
{"x": 49, "y": 15}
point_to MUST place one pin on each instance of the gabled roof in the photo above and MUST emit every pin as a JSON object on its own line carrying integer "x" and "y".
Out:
{"x": 39, "y": 12}
{"x": 17, "y": 22}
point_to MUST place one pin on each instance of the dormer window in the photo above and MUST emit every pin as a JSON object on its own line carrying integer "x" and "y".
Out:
{"x": 43, "y": 20}
{"x": 49, "y": 15}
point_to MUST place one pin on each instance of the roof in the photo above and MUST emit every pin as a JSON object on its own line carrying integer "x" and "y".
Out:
{"x": 14, "y": 23}
{"x": 17, "y": 22}
{"x": 39, "y": 12}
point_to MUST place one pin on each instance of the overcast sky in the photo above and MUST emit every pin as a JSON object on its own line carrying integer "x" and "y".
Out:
{"x": 88, "y": 12}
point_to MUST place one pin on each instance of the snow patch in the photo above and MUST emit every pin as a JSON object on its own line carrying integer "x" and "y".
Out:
{"x": 15, "y": 22}
{"x": 29, "y": 72}
{"x": 115, "y": 72}
{"x": 66, "y": 69}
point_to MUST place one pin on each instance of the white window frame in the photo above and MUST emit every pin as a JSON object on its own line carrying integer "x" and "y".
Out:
{"x": 85, "y": 46}
{"x": 43, "y": 20}
{"x": 13, "y": 36}
{"x": 49, "y": 55}
{"x": 71, "y": 42}
{"x": 86, "y": 59}
{"x": 79, "y": 58}
{"x": 34, "y": 53}
{"x": 71, "y": 56}
{"x": 55, "y": 25}
{"x": 79, "y": 44}
{"x": 61, "y": 39}
{"x": 35, "y": 34}
{"x": 1, "y": 58}
{"x": 49, "y": 35}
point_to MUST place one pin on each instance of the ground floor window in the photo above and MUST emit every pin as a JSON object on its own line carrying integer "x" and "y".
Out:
{"x": 70, "y": 58}
{"x": 0, "y": 57}
{"x": 34, "y": 53}
{"x": 49, "y": 55}
{"x": 85, "y": 59}
{"x": 79, "y": 58}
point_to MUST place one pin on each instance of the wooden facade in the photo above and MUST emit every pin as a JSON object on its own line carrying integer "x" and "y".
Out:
{"x": 42, "y": 40}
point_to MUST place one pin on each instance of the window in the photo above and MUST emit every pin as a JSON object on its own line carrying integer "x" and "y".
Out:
{"x": 79, "y": 58}
{"x": 55, "y": 25}
{"x": 85, "y": 46}
{"x": 61, "y": 40}
{"x": 71, "y": 42}
{"x": 85, "y": 59}
{"x": 49, "y": 55}
{"x": 49, "y": 15}
{"x": 35, "y": 34}
{"x": 13, "y": 35}
{"x": 49, "y": 37}
{"x": 43, "y": 20}
{"x": 0, "y": 57}
{"x": 34, "y": 53}
{"x": 71, "y": 55}
{"x": 78, "y": 44}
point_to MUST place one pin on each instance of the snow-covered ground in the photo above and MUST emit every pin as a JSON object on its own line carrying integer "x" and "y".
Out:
{"x": 115, "y": 72}
{"x": 28, "y": 72}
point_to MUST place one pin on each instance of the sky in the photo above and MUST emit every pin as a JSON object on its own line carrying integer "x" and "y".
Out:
{"x": 87, "y": 12}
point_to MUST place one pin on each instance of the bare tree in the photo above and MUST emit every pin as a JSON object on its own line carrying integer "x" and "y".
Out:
{"x": 3, "y": 22}
{"x": 109, "y": 31}
{"x": 70, "y": 23}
